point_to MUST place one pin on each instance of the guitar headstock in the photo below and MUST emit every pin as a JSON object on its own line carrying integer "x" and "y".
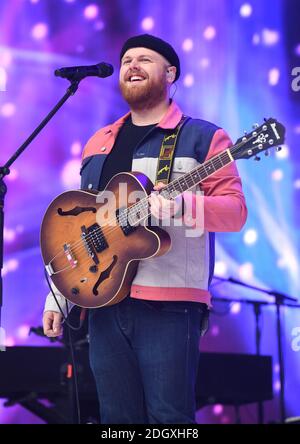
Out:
{"x": 270, "y": 134}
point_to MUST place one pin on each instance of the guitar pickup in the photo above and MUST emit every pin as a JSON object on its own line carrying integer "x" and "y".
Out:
{"x": 124, "y": 222}
{"x": 97, "y": 238}
{"x": 94, "y": 241}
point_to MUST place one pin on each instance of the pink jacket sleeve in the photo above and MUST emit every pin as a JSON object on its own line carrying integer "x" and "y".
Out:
{"x": 224, "y": 202}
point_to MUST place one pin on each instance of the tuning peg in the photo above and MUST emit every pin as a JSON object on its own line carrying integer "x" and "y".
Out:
{"x": 265, "y": 119}
{"x": 245, "y": 132}
{"x": 271, "y": 142}
{"x": 265, "y": 128}
{"x": 250, "y": 152}
{"x": 257, "y": 158}
{"x": 267, "y": 153}
{"x": 255, "y": 125}
{"x": 279, "y": 148}
{"x": 260, "y": 146}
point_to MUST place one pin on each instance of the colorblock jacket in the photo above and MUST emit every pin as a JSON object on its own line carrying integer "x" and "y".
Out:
{"x": 185, "y": 271}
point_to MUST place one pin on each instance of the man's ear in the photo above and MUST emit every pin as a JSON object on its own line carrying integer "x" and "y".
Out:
{"x": 171, "y": 74}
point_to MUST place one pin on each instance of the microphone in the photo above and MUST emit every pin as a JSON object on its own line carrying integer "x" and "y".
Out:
{"x": 80, "y": 72}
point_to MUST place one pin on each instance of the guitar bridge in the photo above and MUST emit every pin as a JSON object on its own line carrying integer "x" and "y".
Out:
{"x": 70, "y": 256}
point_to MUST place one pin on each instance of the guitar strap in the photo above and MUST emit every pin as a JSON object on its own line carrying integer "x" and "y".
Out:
{"x": 166, "y": 155}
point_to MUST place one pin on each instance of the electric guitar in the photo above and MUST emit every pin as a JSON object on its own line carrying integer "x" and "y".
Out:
{"x": 91, "y": 245}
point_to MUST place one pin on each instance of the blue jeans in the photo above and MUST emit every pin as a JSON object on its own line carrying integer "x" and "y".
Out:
{"x": 144, "y": 356}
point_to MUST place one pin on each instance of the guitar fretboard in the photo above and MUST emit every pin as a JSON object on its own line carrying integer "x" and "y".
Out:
{"x": 140, "y": 211}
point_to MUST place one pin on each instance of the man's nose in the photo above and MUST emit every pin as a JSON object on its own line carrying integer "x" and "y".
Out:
{"x": 134, "y": 64}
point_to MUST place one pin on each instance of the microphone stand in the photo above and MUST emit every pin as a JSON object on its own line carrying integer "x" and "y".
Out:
{"x": 257, "y": 312}
{"x": 4, "y": 171}
{"x": 279, "y": 301}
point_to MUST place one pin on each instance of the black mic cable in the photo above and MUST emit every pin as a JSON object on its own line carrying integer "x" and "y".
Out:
{"x": 71, "y": 346}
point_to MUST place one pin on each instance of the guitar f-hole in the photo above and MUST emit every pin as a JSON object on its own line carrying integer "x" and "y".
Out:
{"x": 104, "y": 275}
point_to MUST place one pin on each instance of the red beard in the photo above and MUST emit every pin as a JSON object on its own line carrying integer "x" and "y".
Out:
{"x": 144, "y": 95}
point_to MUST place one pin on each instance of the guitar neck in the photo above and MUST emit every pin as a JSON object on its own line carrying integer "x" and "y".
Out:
{"x": 197, "y": 175}
{"x": 141, "y": 210}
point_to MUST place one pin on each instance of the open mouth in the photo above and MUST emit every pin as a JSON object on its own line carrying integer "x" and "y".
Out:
{"x": 135, "y": 78}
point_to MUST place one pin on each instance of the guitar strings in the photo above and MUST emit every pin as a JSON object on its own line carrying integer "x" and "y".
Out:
{"x": 122, "y": 218}
{"x": 140, "y": 206}
{"x": 80, "y": 245}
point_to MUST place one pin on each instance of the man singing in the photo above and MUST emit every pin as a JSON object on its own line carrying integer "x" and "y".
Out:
{"x": 144, "y": 350}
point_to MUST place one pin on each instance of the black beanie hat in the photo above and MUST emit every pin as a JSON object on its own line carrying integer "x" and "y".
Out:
{"x": 157, "y": 45}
